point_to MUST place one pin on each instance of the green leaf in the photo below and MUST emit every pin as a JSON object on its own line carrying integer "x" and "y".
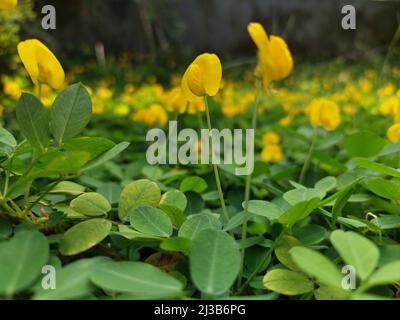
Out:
{"x": 310, "y": 234}
{"x": 265, "y": 209}
{"x": 384, "y": 188}
{"x": 387, "y": 274}
{"x": 287, "y": 282}
{"x": 91, "y": 204}
{"x": 282, "y": 251}
{"x": 137, "y": 194}
{"x": 174, "y": 204}
{"x": 141, "y": 279}
{"x": 68, "y": 187}
{"x": 341, "y": 201}
{"x": 329, "y": 293}
{"x": 150, "y": 220}
{"x": 6, "y": 229}
{"x": 110, "y": 190}
{"x": 174, "y": 198}
{"x": 387, "y": 222}
{"x": 357, "y": 251}
{"x": 84, "y": 236}
{"x": 214, "y": 261}
{"x": 196, "y": 223}
{"x": 177, "y": 244}
{"x": 33, "y": 121}
{"x": 363, "y": 144}
{"x": 70, "y": 113}
{"x": 22, "y": 259}
{"x": 95, "y": 146}
{"x": 106, "y": 156}
{"x": 7, "y": 142}
{"x": 72, "y": 281}
{"x": 195, "y": 184}
{"x": 299, "y": 212}
{"x": 296, "y": 196}
{"x": 376, "y": 167}
{"x": 316, "y": 265}
{"x": 326, "y": 184}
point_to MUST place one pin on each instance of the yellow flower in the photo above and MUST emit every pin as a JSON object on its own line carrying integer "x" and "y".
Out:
{"x": 271, "y": 138}
{"x": 349, "y": 109}
{"x": 11, "y": 88}
{"x": 176, "y": 101}
{"x": 393, "y": 133}
{"x": 121, "y": 110}
{"x": 104, "y": 93}
{"x": 272, "y": 153}
{"x": 203, "y": 77}
{"x": 324, "y": 113}
{"x": 41, "y": 63}
{"x": 275, "y": 59}
{"x": 286, "y": 121}
{"x": 196, "y": 106}
{"x": 8, "y": 4}
{"x": 390, "y": 107}
{"x": 151, "y": 116}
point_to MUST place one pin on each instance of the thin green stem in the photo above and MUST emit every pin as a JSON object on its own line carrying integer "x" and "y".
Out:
{"x": 216, "y": 173}
{"x": 307, "y": 162}
{"x": 7, "y": 178}
{"x": 40, "y": 91}
{"x": 248, "y": 188}
{"x": 261, "y": 263}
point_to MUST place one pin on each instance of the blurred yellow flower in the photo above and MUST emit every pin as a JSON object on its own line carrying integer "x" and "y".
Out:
{"x": 8, "y": 4}
{"x": 196, "y": 106}
{"x": 41, "y": 64}
{"x": 121, "y": 110}
{"x": 324, "y": 113}
{"x": 176, "y": 101}
{"x": 393, "y": 133}
{"x": 285, "y": 121}
{"x": 272, "y": 153}
{"x": 104, "y": 93}
{"x": 275, "y": 59}
{"x": 389, "y": 107}
{"x": 271, "y": 138}
{"x": 154, "y": 115}
{"x": 203, "y": 77}
{"x": 12, "y": 89}
{"x": 349, "y": 109}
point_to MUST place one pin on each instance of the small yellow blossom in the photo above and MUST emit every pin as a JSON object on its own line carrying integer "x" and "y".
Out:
{"x": 393, "y": 133}
{"x": 324, "y": 113}
{"x": 176, "y": 101}
{"x": 275, "y": 59}
{"x": 41, "y": 64}
{"x": 271, "y": 138}
{"x": 203, "y": 77}
{"x": 272, "y": 153}
{"x": 12, "y": 89}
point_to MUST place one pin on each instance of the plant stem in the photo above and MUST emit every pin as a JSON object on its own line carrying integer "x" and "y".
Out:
{"x": 40, "y": 91}
{"x": 248, "y": 188}
{"x": 307, "y": 162}
{"x": 262, "y": 262}
{"x": 216, "y": 173}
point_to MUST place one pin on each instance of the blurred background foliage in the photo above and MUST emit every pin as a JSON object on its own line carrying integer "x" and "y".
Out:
{"x": 147, "y": 29}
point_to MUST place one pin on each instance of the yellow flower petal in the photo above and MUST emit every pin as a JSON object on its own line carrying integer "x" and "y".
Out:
{"x": 202, "y": 77}
{"x": 41, "y": 64}
{"x": 258, "y": 34}
{"x": 8, "y": 4}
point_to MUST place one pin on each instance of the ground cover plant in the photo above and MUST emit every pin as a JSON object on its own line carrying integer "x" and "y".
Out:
{"x": 83, "y": 215}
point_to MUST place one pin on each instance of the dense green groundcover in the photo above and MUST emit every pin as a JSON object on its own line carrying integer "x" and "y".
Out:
{"x": 122, "y": 229}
